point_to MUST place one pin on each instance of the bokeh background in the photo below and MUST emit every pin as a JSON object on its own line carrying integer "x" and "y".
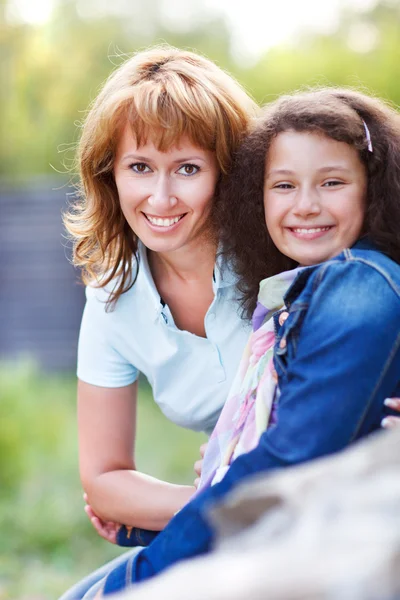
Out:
{"x": 54, "y": 56}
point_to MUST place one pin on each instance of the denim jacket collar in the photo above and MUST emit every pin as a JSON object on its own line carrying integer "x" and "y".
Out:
{"x": 364, "y": 243}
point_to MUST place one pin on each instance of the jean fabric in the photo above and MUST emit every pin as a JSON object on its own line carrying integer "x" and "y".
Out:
{"x": 135, "y": 536}
{"x": 87, "y": 588}
{"x": 338, "y": 357}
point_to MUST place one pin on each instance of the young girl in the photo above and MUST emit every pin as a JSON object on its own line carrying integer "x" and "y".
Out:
{"x": 322, "y": 170}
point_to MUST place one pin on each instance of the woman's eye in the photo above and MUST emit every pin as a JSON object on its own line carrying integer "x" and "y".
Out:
{"x": 188, "y": 169}
{"x": 140, "y": 168}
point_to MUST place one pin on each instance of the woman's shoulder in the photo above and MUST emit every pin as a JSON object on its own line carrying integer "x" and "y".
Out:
{"x": 101, "y": 290}
{"x": 140, "y": 277}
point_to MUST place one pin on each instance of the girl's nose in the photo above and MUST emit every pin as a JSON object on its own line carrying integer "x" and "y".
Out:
{"x": 306, "y": 202}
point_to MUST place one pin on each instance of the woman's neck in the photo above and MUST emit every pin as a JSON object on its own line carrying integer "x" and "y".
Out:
{"x": 184, "y": 281}
{"x": 191, "y": 262}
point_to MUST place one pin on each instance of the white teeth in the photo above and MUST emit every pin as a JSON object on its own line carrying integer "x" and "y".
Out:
{"x": 163, "y": 222}
{"x": 310, "y": 230}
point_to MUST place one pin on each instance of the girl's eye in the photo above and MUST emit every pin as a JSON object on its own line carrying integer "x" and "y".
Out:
{"x": 332, "y": 183}
{"x": 188, "y": 169}
{"x": 283, "y": 186}
{"x": 140, "y": 168}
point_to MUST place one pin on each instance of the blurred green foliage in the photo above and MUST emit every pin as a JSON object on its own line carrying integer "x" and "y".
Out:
{"x": 50, "y": 73}
{"x": 49, "y": 76}
{"x": 46, "y": 541}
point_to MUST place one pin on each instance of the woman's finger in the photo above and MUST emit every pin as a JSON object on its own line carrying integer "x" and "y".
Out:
{"x": 89, "y": 511}
{"x": 198, "y": 466}
{"x": 203, "y": 448}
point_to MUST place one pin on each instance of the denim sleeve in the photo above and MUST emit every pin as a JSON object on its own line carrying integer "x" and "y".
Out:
{"x": 135, "y": 536}
{"x": 347, "y": 361}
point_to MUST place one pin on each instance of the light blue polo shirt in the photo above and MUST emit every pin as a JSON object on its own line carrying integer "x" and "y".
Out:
{"x": 190, "y": 376}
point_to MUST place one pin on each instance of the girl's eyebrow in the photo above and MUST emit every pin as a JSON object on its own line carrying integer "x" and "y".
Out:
{"x": 333, "y": 168}
{"x": 278, "y": 172}
{"x": 321, "y": 170}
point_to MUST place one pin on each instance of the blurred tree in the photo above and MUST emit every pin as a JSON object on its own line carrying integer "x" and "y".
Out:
{"x": 363, "y": 52}
{"x": 50, "y": 73}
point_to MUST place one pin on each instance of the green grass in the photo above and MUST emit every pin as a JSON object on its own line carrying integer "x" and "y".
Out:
{"x": 46, "y": 541}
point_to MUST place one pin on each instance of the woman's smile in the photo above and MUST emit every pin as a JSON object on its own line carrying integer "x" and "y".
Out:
{"x": 166, "y": 197}
{"x": 163, "y": 223}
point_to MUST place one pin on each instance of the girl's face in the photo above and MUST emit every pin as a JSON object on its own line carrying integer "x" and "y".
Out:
{"x": 166, "y": 197}
{"x": 314, "y": 196}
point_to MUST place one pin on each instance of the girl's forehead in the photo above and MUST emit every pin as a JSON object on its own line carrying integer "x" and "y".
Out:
{"x": 291, "y": 150}
{"x": 291, "y": 140}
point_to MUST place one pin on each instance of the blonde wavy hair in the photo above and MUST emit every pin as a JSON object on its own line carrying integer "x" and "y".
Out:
{"x": 164, "y": 93}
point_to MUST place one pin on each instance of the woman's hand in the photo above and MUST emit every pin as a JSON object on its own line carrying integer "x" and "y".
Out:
{"x": 198, "y": 465}
{"x": 106, "y": 529}
{"x": 390, "y": 421}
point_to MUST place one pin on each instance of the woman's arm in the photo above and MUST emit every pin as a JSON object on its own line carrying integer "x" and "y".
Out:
{"x": 115, "y": 490}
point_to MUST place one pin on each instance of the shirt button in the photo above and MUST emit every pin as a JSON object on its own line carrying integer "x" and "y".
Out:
{"x": 282, "y": 317}
{"x": 282, "y": 343}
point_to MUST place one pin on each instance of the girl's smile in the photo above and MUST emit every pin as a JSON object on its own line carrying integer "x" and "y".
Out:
{"x": 310, "y": 233}
{"x": 314, "y": 196}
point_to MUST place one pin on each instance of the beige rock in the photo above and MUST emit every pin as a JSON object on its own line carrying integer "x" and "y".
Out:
{"x": 328, "y": 530}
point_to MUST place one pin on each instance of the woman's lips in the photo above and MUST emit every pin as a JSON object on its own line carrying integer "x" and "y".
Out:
{"x": 163, "y": 223}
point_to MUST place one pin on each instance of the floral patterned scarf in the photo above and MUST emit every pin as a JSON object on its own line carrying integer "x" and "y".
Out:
{"x": 250, "y": 407}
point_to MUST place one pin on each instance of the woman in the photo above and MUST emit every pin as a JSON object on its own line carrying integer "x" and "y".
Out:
{"x": 157, "y": 139}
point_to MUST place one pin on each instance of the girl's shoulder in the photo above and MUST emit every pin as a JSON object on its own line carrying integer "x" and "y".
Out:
{"x": 357, "y": 272}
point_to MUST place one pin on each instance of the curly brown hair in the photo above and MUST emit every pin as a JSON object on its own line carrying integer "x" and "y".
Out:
{"x": 163, "y": 93}
{"x": 339, "y": 114}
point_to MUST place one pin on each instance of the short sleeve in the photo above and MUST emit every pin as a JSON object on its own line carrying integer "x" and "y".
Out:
{"x": 99, "y": 361}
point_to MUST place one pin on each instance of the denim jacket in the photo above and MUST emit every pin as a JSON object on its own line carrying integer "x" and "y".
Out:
{"x": 338, "y": 357}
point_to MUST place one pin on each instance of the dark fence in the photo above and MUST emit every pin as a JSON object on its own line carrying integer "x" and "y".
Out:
{"x": 41, "y": 299}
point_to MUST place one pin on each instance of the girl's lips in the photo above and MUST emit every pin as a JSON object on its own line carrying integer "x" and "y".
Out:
{"x": 310, "y": 233}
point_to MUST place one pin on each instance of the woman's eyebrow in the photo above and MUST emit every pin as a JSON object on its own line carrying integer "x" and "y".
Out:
{"x": 188, "y": 159}
{"x": 134, "y": 156}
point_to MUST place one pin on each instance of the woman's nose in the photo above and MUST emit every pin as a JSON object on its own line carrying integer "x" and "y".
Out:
{"x": 162, "y": 197}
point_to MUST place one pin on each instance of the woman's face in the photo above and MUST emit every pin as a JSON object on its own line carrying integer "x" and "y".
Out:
{"x": 314, "y": 196}
{"x": 166, "y": 197}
